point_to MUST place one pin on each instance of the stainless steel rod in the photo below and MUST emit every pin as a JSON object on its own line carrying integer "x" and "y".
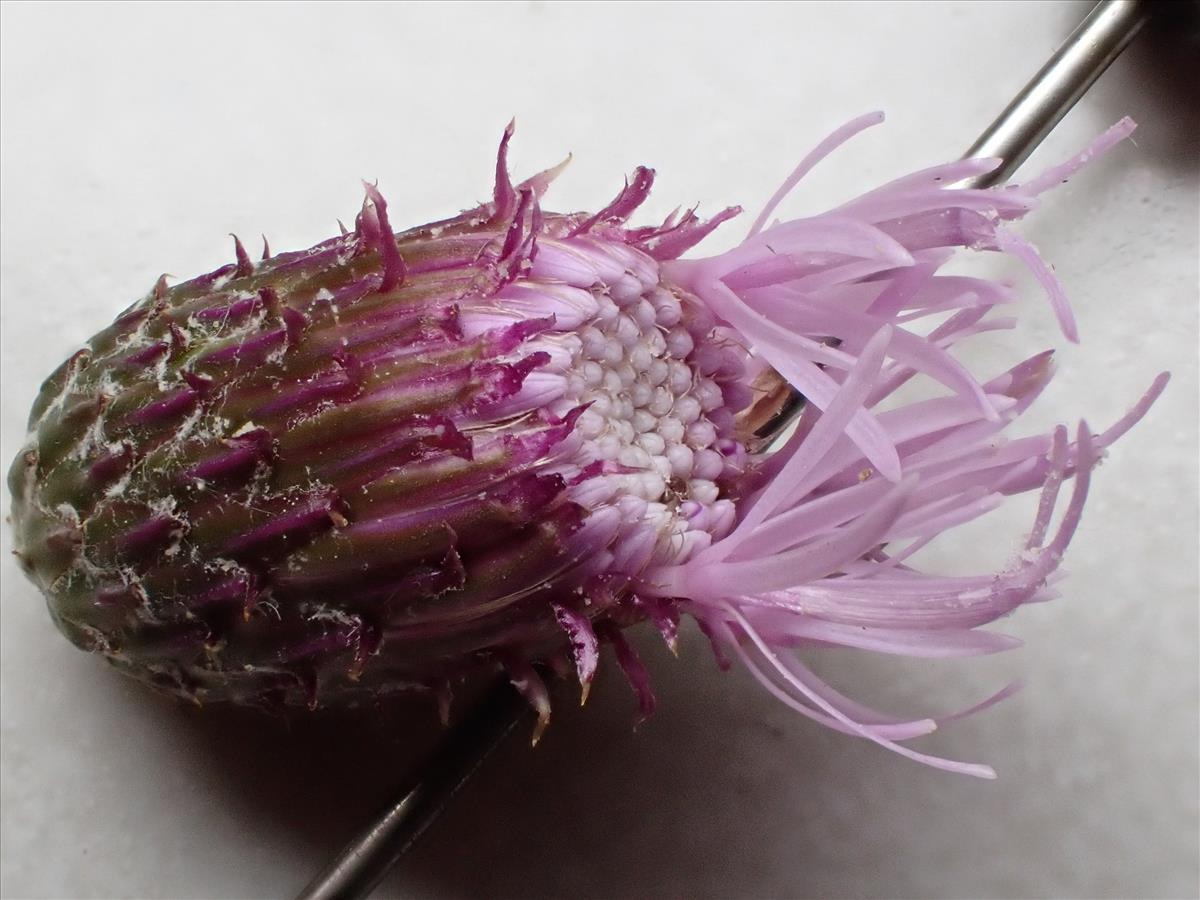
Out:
{"x": 1051, "y": 93}
{"x": 371, "y": 853}
{"x": 1032, "y": 114}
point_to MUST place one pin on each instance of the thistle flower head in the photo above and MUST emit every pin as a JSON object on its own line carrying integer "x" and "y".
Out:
{"x": 379, "y": 463}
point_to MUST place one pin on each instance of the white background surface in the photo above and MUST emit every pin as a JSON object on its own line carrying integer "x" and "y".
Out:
{"x": 135, "y": 137}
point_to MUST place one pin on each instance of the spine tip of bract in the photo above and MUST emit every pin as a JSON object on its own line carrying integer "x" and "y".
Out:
{"x": 504, "y": 195}
{"x": 245, "y": 267}
{"x": 374, "y": 228}
{"x": 585, "y": 649}
{"x": 542, "y": 180}
{"x": 529, "y": 684}
{"x": 635, "y": 672}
